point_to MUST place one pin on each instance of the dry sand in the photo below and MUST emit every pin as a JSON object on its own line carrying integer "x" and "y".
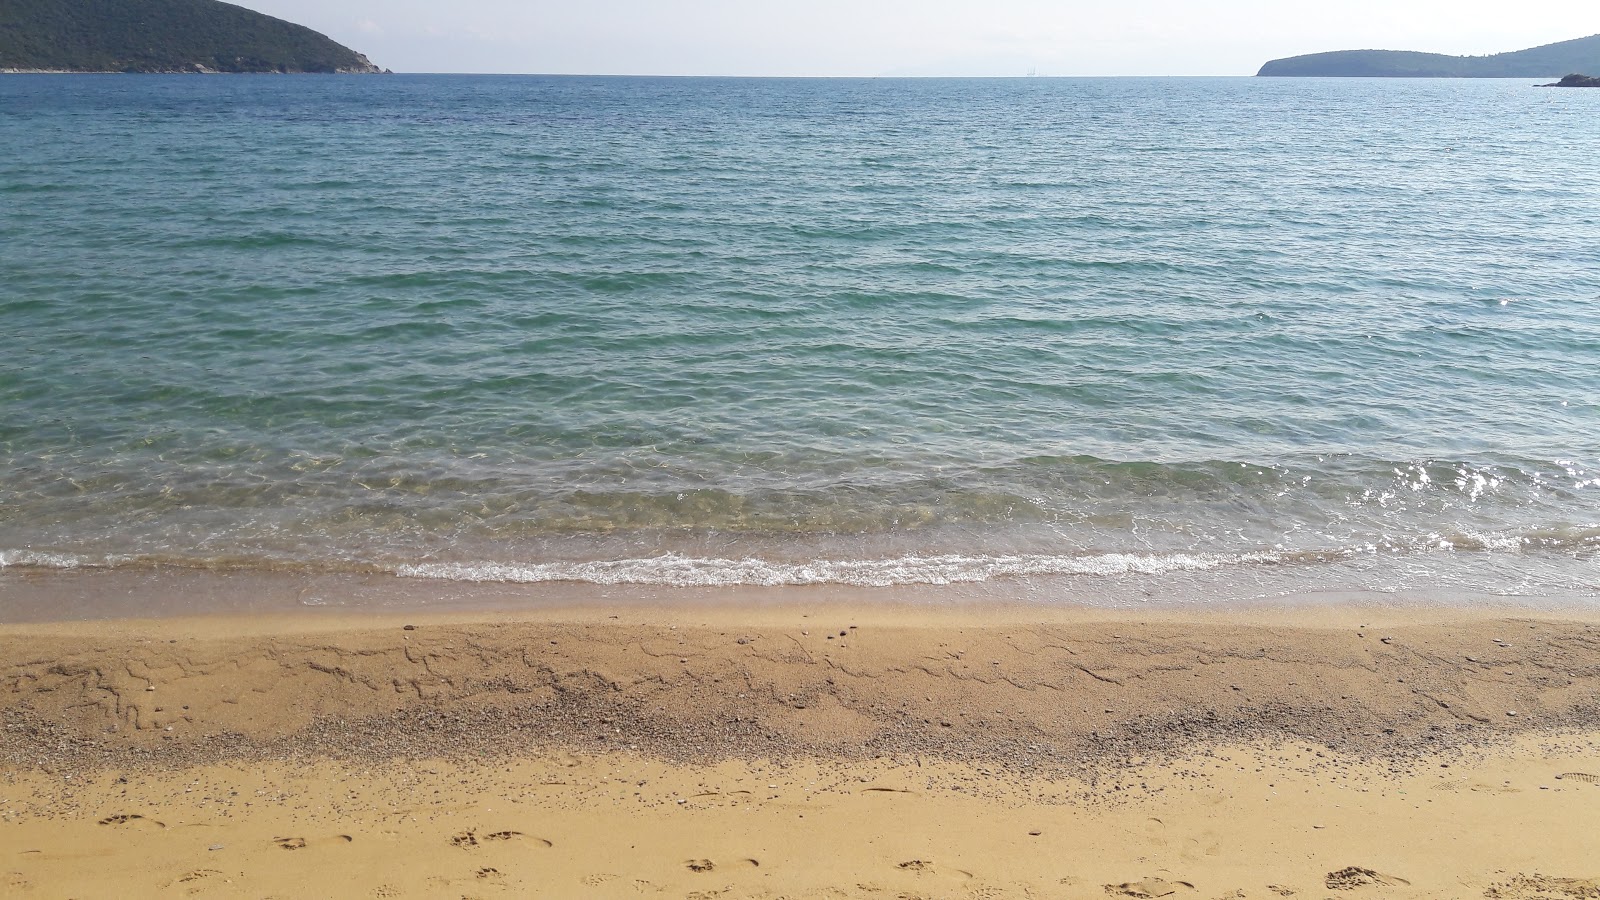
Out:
{"x": 804, "y": 751}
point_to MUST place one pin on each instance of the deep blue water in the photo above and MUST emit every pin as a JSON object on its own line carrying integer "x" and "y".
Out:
{"x": 774, "y": 331}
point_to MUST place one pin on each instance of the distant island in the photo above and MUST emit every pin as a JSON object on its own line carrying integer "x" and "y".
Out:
{"x": 1550, "y": 60}
{"x": 162, "y": 36}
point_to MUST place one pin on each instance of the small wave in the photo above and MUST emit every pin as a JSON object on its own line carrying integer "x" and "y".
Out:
{"x": 687, "y": 571}
{"x": 678, "y": 570}
{"x": 36, "y": 560}
{"x": 31, "y": 559}
{"x": 1579, "y": 539}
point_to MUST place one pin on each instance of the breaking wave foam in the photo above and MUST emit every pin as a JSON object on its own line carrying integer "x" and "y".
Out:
{"x": 37, "y": 560}
{"x": 678, "y": 570}
{"x": 687, "y": 571}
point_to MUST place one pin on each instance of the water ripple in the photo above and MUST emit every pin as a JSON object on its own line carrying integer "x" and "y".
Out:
{"x": 476, "y": 320}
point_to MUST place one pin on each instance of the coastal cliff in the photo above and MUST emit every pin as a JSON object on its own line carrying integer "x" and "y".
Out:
{"x": 1580, "y": 55}
{"x": 156, "y": 36}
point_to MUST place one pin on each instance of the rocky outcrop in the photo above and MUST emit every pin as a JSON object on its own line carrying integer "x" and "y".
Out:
{"x": 1576, "y": 80}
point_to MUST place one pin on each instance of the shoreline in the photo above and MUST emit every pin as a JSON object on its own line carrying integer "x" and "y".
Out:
{"x": 39, "y": 595}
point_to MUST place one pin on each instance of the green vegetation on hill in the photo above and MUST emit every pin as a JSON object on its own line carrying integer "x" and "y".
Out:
{"x": 162, "y": 36}
{"x": 1581, "y": 55}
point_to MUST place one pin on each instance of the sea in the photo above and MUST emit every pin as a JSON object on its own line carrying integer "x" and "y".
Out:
{"x": 1097, "y": 341}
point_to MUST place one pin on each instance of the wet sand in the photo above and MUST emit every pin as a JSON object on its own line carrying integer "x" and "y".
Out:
{"x": 804, "y": 750}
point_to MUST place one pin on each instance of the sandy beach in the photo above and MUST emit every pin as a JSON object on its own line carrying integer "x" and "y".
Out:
{"x": 674, "y": 481}
{"x": 824, "y": 750}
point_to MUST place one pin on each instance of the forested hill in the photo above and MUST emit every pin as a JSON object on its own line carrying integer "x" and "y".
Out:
{"x": 1550, "y": 60}
{"x": 162, "y": 36}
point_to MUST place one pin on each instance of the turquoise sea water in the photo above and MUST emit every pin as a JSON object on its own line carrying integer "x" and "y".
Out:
{"x": 711, "y": 331}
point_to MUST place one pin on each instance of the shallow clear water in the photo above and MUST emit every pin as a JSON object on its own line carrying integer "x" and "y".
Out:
{"x": 708, "y": 331}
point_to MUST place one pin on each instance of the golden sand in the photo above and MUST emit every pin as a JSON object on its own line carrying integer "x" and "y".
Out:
{"x": 793, "y": 751}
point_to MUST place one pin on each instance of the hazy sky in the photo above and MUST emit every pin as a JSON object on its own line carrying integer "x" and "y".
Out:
{"x": 914, "y": 37}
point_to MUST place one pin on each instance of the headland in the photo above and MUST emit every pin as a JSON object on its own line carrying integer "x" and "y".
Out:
{"x": 1580, "y": 55}
{"x": 163, "y": 37}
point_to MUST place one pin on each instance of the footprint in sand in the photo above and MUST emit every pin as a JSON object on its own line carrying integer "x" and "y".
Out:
{"x": 471, "y": 838}
{"x": 1354, "y": 877}
{"x": 129, "y": 818}
{"x": 508, "y": 835}
{"x": 1543, "y": 887}
{"x": 300, "y": 843}
{"x": 916, "y": 865}
{"x": 1480, "y": 787}
{"x": 926, "y": 867}
{"x": 700, "y": 865}
{"x": 197, "y": 875}
{"x": 1149, "y": 887}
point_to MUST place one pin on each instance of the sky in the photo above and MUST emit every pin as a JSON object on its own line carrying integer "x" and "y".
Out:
{"x": 913, "y": 37}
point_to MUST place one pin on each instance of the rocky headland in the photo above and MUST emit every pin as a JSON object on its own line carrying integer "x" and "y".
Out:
{"x": 1575, "y": 80}
{"x": 163, "y": 36}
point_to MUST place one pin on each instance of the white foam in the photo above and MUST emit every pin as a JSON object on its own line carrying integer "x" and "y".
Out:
{"x": 687, "y": 571}
{"x": 1478, "y": 540}
{"x": 37, "y": 560}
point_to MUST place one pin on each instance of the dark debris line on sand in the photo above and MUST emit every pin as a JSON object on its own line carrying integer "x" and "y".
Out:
{"x": 1040, "y": 700}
